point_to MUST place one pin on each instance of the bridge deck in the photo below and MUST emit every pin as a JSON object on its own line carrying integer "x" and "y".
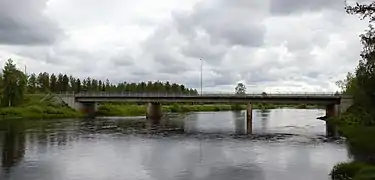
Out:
{"x": 310, "y": 98}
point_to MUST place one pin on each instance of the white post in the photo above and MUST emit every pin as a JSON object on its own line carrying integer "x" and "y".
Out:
{"x": 201, "y": 75}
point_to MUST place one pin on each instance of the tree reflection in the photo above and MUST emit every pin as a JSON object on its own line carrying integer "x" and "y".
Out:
{"x": 13, "y": 145}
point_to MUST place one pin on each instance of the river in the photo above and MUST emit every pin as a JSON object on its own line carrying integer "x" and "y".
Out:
{"x": 288, "y": 144}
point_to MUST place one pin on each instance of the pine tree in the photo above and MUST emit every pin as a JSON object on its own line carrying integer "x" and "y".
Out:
{"x": 14, "y": 85}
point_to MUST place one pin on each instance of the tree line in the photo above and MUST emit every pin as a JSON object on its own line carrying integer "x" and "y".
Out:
{"x": 56, "y": 83}
{"x": 15, "y": 83}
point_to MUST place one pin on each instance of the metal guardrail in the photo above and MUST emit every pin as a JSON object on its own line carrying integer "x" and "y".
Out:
{"x": 163, "y": 94}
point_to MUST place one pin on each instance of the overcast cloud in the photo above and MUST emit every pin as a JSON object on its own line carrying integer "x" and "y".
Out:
{"x": 270, "y": 45}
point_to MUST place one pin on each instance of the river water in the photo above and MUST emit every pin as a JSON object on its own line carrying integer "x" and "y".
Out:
{"x": 288, "y": 144}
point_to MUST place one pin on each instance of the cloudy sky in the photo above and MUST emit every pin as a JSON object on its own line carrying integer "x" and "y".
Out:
{"x": 270, "y": 45}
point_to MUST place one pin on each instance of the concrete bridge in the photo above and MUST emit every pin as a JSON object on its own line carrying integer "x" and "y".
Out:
{"x": 88, "y": 102}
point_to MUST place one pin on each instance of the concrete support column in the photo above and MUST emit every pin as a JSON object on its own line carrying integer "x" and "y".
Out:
{"x": 249, "y": 119}
{"x": 154, "y": 112}
{"x": 332, "y": 110}
{"x": 88, "y": 108}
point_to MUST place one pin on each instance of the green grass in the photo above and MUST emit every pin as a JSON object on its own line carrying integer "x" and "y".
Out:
{"x": 140, "y": 110}
{"x": 34, "y": 108}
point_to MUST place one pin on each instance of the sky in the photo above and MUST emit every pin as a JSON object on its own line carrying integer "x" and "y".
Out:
{"x": 269, "y": 45}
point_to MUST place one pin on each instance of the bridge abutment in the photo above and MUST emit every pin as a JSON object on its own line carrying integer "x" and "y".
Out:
{"x": 249, "y": 119}
{"x": 154, "y": 112}
{"x": 332, "y": 110}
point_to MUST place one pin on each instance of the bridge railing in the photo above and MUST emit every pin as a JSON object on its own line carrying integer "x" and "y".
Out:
{"x": 164, "y": 94}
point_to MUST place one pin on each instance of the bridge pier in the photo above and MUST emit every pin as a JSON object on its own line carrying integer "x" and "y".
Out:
{"x": 154, "y": 112}
{"x": 249, "y": 119}
{"x": 332, "y": 110}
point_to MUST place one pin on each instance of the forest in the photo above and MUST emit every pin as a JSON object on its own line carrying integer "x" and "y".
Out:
{"x": 56, "y": 83}
{"x": 15, "y": 84}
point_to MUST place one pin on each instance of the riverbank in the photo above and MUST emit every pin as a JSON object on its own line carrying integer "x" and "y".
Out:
{"x": 39, "y": 107}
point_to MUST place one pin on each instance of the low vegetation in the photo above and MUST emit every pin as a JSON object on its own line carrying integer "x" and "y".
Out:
{"x": 35, "y": 108}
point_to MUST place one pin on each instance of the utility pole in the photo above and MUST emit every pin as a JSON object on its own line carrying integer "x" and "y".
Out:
{"x": 201, "y": 76}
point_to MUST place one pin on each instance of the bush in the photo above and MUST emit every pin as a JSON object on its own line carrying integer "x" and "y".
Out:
{"x": 302, "y": 106}
{"x": 346, "y": 171}
{"x": 236, "y": 107}
{"x": 34, "y": 109}
{"x": 175, "y": 108}
{"x": 360, "y": 142}
{"x": 366, "y": 173}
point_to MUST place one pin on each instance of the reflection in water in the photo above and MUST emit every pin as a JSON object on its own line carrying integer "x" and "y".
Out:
{"x": 264, "y": 114}
{"x": 239, "y": 122}
{"x": 13, "y": 147}
{"x": 118, "y": 148}
{"x": 191, "y": 123}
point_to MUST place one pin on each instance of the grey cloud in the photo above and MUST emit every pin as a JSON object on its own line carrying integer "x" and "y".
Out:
{"x": 228, "y": 22}
{"x": 23, "y": 23}
{"x": 209, "y": 31}
{"x": 212, "y": 28}
{"x": 122, "y": 59}
{"x": 224, "y": 79}
{"x": 166, "y": 63}
{"x": 286, "y": 7}
{"x": 229, "y": 35}
{"x": 202, "y": 50}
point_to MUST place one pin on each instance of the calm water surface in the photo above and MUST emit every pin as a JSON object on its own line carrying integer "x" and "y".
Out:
{"x": 288, "y": 145}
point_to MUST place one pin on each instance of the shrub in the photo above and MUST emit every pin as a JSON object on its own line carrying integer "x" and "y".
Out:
{"x": 366, "y": 173}
{"x": 346, "y": 171}
{"x": 360, "y": 142}
{"x": 34, "y": 109}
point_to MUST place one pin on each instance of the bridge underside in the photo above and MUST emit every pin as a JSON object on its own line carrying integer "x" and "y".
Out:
{"x": 231, "y": 100}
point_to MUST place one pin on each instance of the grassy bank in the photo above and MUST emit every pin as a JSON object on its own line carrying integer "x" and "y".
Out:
{"x": 35, "y": 107}
{"x": 140, "y": 110}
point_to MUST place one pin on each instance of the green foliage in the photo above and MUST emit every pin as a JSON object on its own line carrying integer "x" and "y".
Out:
{"x": 38, "y": 112}
{"x": 13, "y": 85}
{"x": 366, "y": 173}
{"x": 45, "y": 83}
{"x": 240, "y": 88}
{"x": 346, "y": 170}
{"x": 360, "y": 142}
{"x": 237, "y": 107}
{"x": 361, "y": 83}
{"x": 121, "y": 110}
{"x": 137, "y": 110}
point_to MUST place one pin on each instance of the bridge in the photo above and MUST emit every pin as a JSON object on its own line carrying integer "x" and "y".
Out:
{"x": 88, "y": 102}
